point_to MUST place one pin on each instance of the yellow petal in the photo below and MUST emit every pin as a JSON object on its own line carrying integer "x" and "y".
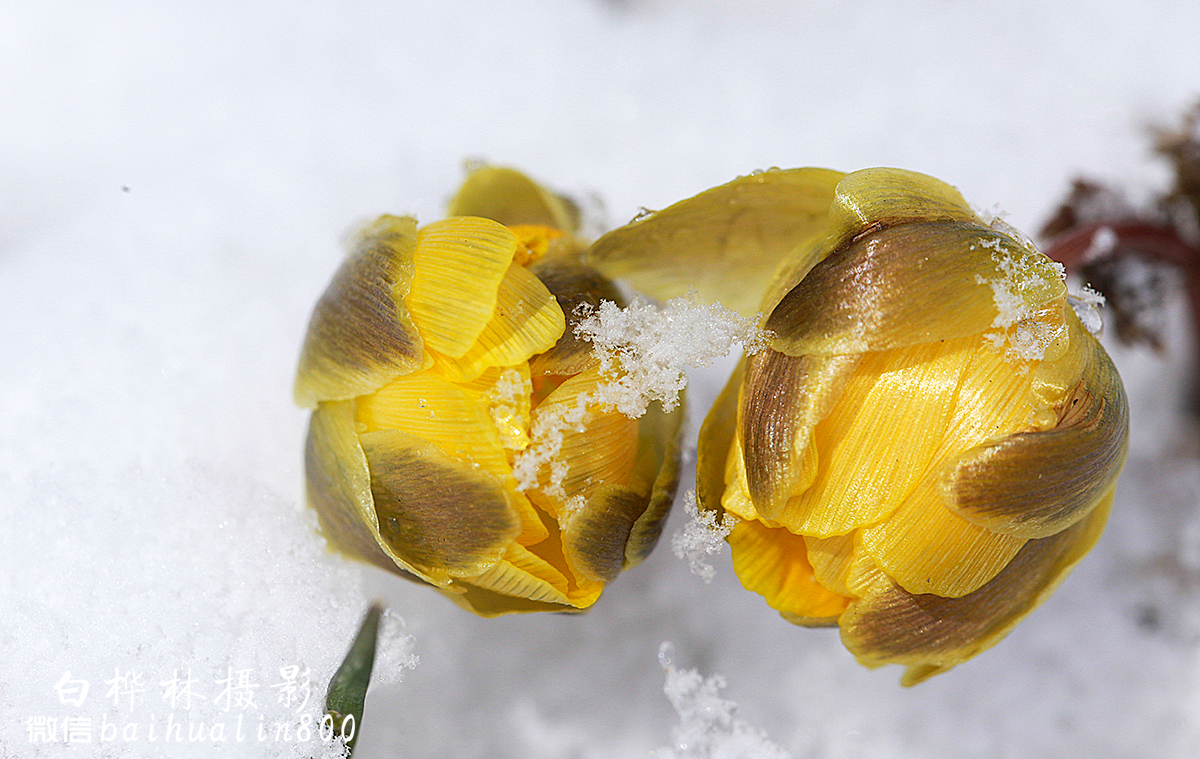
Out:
{"x": 782, "y": 401}
{"x": 656, "y": 473}
{"x": 886, "y": 197}
{"x": 509, "y": 197}
{"x": 725, "y": 243}
{"x": 446, "y": 519}
{"x": 527, "y": 320}
{"x": 459, "y": 264}
{"x": 523, "y": 574}
{"x": 930, "y": 634}
{"x": 579, "y": 445}
{"x": 595, "y": 534}
{"x": 339, "y": 486}
{"x": 574, "y": 285}
{"x": 774, "y": 563}
{"x": 432, "y": 408}
{"x": 1034, "y": 484}
{"x": 867, "y": 468}
{"x": 911, "y": 284}
{"x": 361, "y": 335}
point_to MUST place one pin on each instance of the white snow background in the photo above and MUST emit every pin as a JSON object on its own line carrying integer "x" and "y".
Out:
{"x": 175, "y": 182}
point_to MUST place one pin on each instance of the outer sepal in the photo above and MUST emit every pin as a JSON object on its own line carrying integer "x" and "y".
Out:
{"x": 726, "y": 243}
{"x": 361, "y": 335}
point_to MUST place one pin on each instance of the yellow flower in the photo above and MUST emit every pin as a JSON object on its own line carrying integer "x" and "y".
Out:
{"x": 456, "y": 437}
{"x": 930, "y": 442}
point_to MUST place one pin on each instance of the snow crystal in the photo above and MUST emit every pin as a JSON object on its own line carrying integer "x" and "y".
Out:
{"x": 707, "y": 726}
{"x": 1087, "y": 304}
{"x": 643, "y": 349}
{"x": 1023, "y": 332}
{"x": 701, "y": 536}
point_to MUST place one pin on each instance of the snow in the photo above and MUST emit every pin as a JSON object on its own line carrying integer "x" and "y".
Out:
{"x": 176, "y": 181}
{"x": 701, "y": 536}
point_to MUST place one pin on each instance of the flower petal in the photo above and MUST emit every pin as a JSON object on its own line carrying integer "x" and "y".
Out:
{"x": 655, "y": 473}
{"x": 867, "y": 469}
{"x": 361, "y": 335}
{"x": 459, "y": 264}
{"x": 527, "y": 321}
{"x": 338, "y": 484}
{"x": 726, "y": 243}
{"x": 911, "y": 284}
{"x": 930, "y": 633}
{"x": 783, "y": 399}
{"x": 595, "y": 535}
{"x": 886, "y": 197}
{"x": 1034, "y": 484}
{"x": 774, "y": 563}
{"x": 445, "y": 518}
{"x": 524, "y": 574}
{"x": 509, "y": 197}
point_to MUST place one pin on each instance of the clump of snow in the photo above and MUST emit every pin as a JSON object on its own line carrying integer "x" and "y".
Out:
{"x": 703, "y": 535}
{"x": 1023, "y": 331}
{"x": 1087, "y": 304}
{"x": 643, "y": 349}
{"x": 708, "y": 727}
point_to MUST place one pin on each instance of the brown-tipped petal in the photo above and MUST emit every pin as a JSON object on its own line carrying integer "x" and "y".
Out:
{"x": 716, "y": 438}
{"x": 509, "y": 197}
{"x": 459, "y": 264}
{"x": 573, "y": 285}
{"x": 1034, "y": 484}
{"x": 656, "y": 472}
{"x": 886, "y": 197}
{"x": 361, "y": 335}
{"x": 339, "y": 485}
{"x": 930, "y": 634}
{"x": 595, "y": 536}
{"x": 783, "y": 399}
{"x": 726, "y": 243}
{"x": 773, "y": 562}
{"x": 444, "y": 517}
{"x": 912, "y": 284}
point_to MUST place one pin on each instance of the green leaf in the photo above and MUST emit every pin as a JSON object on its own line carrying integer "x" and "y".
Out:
{"x": 348, "y": 688}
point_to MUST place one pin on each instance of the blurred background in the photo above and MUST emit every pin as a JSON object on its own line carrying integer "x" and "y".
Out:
{"x": 176, "y": 183}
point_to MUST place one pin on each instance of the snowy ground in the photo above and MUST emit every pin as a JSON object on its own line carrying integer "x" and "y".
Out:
{"x": 176, "y": 179}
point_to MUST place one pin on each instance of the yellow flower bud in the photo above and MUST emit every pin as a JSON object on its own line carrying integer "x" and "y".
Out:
{"x": 930, "y": 442}
{"x": 455, "y": 437}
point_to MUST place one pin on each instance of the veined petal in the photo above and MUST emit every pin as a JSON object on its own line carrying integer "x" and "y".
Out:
{"x": 782, "y": 401}
{"x": 459, "y": 264}
{"x": 439, "y": 515}
{"x": 527, "y": 321}
{"x": 930, "y": 634}
{"x": 773, "y": 562}
{"x": 726, "y": 243}
{"x": 595, "y": 535}
{"x": 432, "y": 408}
{"x": 656, "y": 473}
{"x": 911, "y": 284}
{"x": 1034, "y": 484}
{"x": 866, "y": 470}
{"x": 585, "y": 445}
{"x": 339, "y": 487}
{"x": 573, "y": 285}
{"x": 524, "y": 574}
{"x": 886, "y": 197}
{"x": 509, "y": 197}
{"x": 361, "y": 336}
